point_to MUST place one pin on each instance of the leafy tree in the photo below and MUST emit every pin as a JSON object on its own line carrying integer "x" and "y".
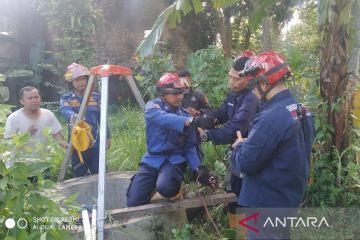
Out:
{"x": 73, "y": 23}
{"x": 222, "y": 12}
{"x": 304, "y": 34}
{"x": 301, "y": 49}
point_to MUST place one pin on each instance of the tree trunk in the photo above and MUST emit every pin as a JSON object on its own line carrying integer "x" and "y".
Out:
{"x": 224, "y": 26}
{"x": 177, "y": 38}
{"x": 247, "y": 38}
{"x": 118, "y": 37}
{"x": 266, "y": 34}
{"x": 227, "y": 43}
{"x": 333, "y": 71}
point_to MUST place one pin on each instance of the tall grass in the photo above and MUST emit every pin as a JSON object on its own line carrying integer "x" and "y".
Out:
{"x": 127, "y": 128}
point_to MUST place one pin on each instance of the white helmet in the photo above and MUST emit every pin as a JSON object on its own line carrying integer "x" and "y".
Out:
{"x": 74, "y": 71}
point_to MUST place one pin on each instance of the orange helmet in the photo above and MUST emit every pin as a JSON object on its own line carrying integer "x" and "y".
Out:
{"x": 268, "y": 66}
{"x": 170, "y": 83}
{"x": 76, "y": 70}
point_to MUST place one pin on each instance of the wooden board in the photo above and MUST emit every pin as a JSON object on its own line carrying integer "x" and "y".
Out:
{"x": 166, "y": 206}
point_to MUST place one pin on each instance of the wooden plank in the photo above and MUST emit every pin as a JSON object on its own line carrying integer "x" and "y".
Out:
{"x": 161, "y": 207}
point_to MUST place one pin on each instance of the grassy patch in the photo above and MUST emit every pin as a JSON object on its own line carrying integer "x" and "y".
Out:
{"x": 127, "y": 128}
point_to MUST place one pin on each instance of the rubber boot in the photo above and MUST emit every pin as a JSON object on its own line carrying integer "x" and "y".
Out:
{"x": 232, "y": 218}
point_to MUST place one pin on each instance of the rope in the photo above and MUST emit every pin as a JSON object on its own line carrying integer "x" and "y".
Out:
{"x": 207, "y": 212}
{"x": 198, "y": 193}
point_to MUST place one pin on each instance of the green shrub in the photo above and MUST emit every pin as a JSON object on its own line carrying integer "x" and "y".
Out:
{"x": 334, "y": 176}
{"x": 74, "y": 22}
{"x": 26, "y": 190}
{"x": 209, "y": 69}
{"x": 182, "y": 233}
{"x": 152, "y": 68}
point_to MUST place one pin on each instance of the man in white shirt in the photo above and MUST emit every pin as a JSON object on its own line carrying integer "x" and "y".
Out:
{"x": 33, "y": 119}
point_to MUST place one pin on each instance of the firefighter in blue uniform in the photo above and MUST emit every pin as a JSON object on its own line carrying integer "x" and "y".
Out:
{"x": 77, "y": 76}
{"x": 171, "y": 145}
{"x": 194, "y": 101}
{"x": 235, "y": 113}
{"x": 275, "y": 157}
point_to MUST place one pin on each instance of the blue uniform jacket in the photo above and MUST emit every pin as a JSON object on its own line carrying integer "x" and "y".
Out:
{"x": 166, "y": 136}
{"x": 237, "y": 111}
{"x": 70, "y": 105}
{"x": 276, "y": 155}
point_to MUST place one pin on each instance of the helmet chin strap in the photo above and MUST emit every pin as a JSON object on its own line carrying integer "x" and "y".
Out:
{"x": 264, "y": 94}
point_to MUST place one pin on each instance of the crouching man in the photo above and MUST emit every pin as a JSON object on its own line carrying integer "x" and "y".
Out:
{"x": 171, "y": 145}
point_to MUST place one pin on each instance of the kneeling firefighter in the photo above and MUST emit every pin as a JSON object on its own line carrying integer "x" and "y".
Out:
{"x": 171, "y": 145}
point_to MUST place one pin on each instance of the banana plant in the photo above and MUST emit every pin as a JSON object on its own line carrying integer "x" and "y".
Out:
{"x": 334, "y": 29}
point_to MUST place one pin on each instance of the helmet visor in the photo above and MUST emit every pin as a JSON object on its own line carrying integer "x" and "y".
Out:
{"x": 172, "y": 90}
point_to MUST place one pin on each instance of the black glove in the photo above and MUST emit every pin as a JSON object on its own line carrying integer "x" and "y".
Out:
{"x": 205, "y": 178}
{"x": 204, "y": 122}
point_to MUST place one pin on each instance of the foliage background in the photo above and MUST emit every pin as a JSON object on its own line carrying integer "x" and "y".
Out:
{"x": 334, "y": 179}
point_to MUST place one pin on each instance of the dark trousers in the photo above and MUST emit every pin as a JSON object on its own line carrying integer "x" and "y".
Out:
{"x": 91, "y": 162}
{"x": 199, "y": 149}
{"x": 236, "y": 184}
{"x": 166, "y": 180}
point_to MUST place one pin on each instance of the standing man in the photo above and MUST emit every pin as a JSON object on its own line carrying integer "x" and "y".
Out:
{"x": 237, "y": 110}
{"x": 77, "y": 75}
{"x": 33, "y": 119}
{"x": 275, "y": 157}
{"x": 171, "y": 145}
{"x": 194, "y": 101}
{"x": 235, "y": 113}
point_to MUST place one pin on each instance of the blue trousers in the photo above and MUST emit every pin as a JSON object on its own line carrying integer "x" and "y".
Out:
{"x": 166, "y": 180}
{"x": 91, "y": 162}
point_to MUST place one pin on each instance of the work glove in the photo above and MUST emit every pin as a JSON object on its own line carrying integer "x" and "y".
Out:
{"x": 205, "y": 178}
{"x": 205, "y": 122}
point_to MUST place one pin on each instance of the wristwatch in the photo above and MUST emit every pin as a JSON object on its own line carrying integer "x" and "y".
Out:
{"x": 204, "y": 136}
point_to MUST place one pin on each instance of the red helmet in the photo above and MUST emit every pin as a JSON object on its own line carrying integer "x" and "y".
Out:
{"x": 246, "y": 53}
{"x": 76, "y": 70}
{"x": 269, "y": 66}
{"x": 242, "y": 60}
{"x": 170, "y": 83}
